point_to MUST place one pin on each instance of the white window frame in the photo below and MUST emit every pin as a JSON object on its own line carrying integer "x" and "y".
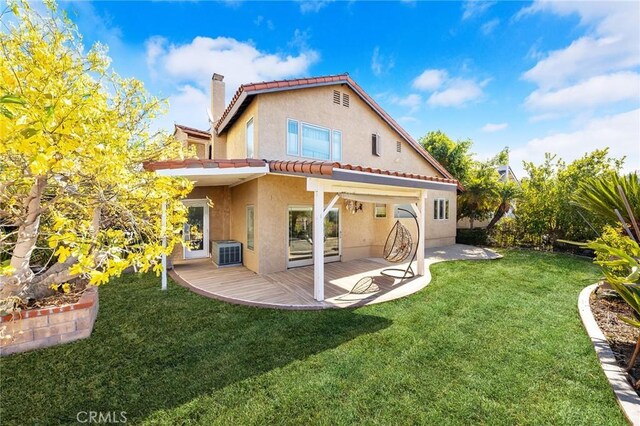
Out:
{"x": 445, "y": 209}
{"x": 332, "y": 152}
{"x": 253, "y": 138}
{"x": 401, "y": 215}
{"x": 376, "y": 206}
{"x": 298, "y": 143}
{"x": 378, "y": 147}
{"x": 251, "y": 208}
{"x": 332, "y": 156}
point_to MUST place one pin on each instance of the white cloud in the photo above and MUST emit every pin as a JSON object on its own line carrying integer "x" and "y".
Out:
{"x": 407, "y": 119}
{"x": 430, "y": 79}
{"x": 473, "y": 8}
{"x": 494, "y": 127}
{"x": 590, "y": 93}
{"x": 379, "y": 63}
{"x": 621, "y": 133}
{"x": 259, "y": 20}
{"x": 488, "y": 27}
{"x": 312, "y": 6}
{"x": 187, "y": 68}
{"x": 457, "y": 92}
{"x": 187, "y": 105}
{"x": 412, "y": 101}
{"x": 448, "y": 91}
{"x": 611, "y": 43}
{"x": 240, "y": 62}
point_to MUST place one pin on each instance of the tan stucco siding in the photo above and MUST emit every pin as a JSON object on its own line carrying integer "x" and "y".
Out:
{"x": 243, "y": 196}
{"x": 200, "y": 149}
{"x": 236, "y": 143}
{"x": 315, "y": 106}
{"x": 362, "y": 234}
{"x": 441, "y": 232}
{"x": 219, "y": 213}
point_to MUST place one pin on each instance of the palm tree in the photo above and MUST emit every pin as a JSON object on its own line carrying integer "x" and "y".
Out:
{"x": 480, "y": 195}
{"x": 508, "y": 193}
{"x": 612, "y": 198}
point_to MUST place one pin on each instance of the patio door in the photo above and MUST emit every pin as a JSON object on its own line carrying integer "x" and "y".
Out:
{"x": 196, "y": 230}
{"x": 300, "y": 246}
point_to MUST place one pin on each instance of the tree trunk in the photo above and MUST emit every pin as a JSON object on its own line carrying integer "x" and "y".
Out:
{"x": 499, "y": 214}
{"x": 632, "y": 361}
{"x": 470, "y": 223}
{"x": 17, "y": 283}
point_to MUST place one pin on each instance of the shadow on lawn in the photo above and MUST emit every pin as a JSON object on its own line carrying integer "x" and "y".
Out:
{"x": 154, "y": 351}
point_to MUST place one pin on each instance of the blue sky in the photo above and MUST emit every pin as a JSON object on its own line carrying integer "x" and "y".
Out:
{"x": 562, "y": 77}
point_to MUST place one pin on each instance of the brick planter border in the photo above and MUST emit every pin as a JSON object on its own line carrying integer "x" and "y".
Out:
{"x": 39, "y": 328}
{"x": 627, "y": 397}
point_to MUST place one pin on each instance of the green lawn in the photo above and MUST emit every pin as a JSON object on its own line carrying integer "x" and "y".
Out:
{"x": 489, "y": 342}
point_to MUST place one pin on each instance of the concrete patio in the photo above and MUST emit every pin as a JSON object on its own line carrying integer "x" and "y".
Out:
{"x": 293, "y": 289}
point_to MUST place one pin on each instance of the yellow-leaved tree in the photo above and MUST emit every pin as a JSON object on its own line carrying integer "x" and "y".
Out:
{"x": 75, "y": 201}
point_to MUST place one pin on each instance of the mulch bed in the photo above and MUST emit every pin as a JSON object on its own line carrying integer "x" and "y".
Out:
{"x": 621, "y": 336}
{"x": 59, "y": 298}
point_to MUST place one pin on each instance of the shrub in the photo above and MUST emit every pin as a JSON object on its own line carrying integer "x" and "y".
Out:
{"x": 474, "y": 237}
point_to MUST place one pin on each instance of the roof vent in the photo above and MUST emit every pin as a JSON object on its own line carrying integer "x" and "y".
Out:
{"x": 345, "y": 100}
{"x": 336, "y": 97}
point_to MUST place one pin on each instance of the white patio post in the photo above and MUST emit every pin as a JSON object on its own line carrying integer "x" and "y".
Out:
{"x": 318, "y": 242}
{"x": 422, "y": 216}
{"x": 164, "y": 245}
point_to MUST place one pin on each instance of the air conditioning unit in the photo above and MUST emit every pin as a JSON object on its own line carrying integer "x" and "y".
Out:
{"x": 226, "y": 252}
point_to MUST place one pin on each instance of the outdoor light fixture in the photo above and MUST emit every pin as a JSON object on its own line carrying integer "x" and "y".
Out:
{"x": 353, "y": 207}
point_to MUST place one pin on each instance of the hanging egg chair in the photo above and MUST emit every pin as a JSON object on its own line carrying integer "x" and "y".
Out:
{"x": 399, "y": 247}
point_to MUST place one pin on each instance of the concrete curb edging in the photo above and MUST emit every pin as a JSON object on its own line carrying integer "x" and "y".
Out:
{"x": 626, "y": 396}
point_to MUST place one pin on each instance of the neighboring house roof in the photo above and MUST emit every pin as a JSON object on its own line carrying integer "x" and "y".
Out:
{"x": 321, "y": 168}
{"x": 194, "y": 133}
{"x": 502, "y": 171}
{"x": 246, "y": 92}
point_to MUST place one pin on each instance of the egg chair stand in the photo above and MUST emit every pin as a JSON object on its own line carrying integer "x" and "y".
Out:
{"x": 399, "y": 247}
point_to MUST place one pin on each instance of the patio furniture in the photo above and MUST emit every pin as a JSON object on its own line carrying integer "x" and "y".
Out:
{"x": 399, "y": 247}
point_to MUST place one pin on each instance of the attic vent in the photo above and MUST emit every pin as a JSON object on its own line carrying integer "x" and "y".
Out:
{"x": 345, "y": 100}
{"x": 336, "y": 97}
{"x": 398, "y": 146}
{"x": 375, "y": 145}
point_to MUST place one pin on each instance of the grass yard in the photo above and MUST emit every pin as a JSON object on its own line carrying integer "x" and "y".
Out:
{"x": 489, "y": 342}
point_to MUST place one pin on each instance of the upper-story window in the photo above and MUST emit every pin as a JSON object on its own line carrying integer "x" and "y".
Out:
{"x": 375, "y": 144}
{"x": 336, "y": 146}
{"x": 311, "y": 141}
{"x": 249, "y": 138}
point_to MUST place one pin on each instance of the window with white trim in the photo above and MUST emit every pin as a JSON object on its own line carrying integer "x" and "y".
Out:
{"x": 250, "y": 228}
{"x": 400, "y": 213}
{"x": 440, "y": 209}
{"x": 311, "y": 141}
{"x": 249, "y": 138}
{"x": 336, "y": 145}
{"x": 380, "y": 211}
{"x": 293, "y": 141}
{"x": 375, "y": 144}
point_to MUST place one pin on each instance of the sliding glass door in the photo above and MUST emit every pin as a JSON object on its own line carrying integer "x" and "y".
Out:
{"x": 301, "y": 236}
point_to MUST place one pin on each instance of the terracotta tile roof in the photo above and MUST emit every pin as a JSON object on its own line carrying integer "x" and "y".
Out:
{"x": 281, "y": 85}
{"x": 194, "y": 163}
{"x": 327, "y": 168}
{"x": 322, "y": 168}
{"x": 197, "y": 133}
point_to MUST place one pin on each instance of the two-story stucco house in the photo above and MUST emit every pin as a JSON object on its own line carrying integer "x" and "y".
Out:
{"x": 285, "y": 156}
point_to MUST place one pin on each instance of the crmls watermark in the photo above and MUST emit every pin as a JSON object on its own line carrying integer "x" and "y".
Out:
{"x": 110, "y": 417}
